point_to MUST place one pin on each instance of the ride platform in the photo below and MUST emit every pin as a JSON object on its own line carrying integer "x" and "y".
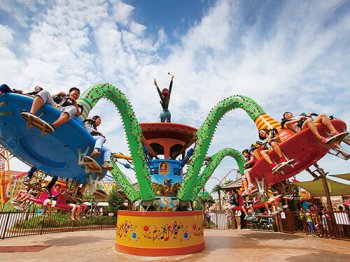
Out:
{"x": 303, "y": 147}
{"x": 168, "y": 139}
{"x": 59, "y": 153}
{"x": 159, "y": 233}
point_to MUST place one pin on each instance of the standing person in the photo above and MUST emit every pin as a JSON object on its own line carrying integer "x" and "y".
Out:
{"x": 164, "y": 95}
{"x": 238, "y": 215}
{"x": 302, "y": 220}
{"x": 67, "y": 104}
{"x": 325, "y": 219}
{"x": 91, "y": 127}
{"x": 233, "y": 198}
{"x": 305, "y": 205}
{"x": 308, "y": 216}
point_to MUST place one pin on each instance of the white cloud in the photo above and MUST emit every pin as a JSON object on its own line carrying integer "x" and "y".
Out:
{"x": 295, "y": 58}
{"x": 122, "y": 12}
{"x": 6, "y": 35}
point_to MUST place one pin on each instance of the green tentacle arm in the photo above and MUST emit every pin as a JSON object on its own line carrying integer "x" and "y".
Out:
{"x": 214, "y": 162}
{"x": 131, "y": 127}
{"x": 131, "y": 193}
{"x": 205, "y": 135}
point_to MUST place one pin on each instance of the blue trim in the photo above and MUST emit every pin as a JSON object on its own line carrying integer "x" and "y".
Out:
{"x": 56, "y": 153}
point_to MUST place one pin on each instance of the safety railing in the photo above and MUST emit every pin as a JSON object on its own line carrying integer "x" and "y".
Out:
{"x": 19, "y": 223}
{"x": 260, "y": 222}
{"x": 318, "y": 224}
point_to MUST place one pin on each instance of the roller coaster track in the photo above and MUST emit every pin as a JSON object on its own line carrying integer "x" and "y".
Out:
{"x": 215, "y": 160}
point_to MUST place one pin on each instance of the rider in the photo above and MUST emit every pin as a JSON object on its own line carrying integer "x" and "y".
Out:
{"x": 250, "y": 161}
{"x": 52, "y": 198}
{"x": 6, "y": 89}
{"x": 248, "y": 204}
{"x": 303, "y": 121}
{"x": 66, "y": 103}
{"x": 91, "y": 127}
{"x": 270, "y": 138}
{"x": 165, "y": 98}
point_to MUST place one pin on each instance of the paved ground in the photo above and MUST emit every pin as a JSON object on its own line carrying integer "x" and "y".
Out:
{"x": 221, "y": 245}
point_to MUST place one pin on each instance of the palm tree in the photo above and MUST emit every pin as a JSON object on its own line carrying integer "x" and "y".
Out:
{"x": 217, "y": 189}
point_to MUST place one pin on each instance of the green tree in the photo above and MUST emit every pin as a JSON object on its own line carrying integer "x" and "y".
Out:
{"x": 217, "y": 189}
{"x": 114, "y": 199}
{"x": 204, "y": 201}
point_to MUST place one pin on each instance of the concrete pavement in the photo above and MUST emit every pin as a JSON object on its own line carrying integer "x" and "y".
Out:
{"x": 221, "y": 245}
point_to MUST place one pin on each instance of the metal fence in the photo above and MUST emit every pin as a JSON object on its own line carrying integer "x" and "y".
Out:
{"x": 16, "y": 223}
{"x": 227, "y": 220}
{"x": 321, "y": 224}
{"x": 261, "y": 222}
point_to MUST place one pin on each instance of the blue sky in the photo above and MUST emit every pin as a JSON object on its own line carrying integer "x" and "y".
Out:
{"x": 286, "y": 55}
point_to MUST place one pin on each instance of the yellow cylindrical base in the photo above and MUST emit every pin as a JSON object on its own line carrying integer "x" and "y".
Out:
{"x": 159, "y": 233}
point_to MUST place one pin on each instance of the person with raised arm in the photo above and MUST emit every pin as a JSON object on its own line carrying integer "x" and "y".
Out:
{"x": 164, "y": 95}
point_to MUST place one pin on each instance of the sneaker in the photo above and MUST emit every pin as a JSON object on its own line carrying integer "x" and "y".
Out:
{"x": 107, "y": 167}
{"x": 275, "y": 167}
{"x": 336, "y": 137}
{"x": 334, "y": 134}
{"x": 52, "y": 126}
{"x": 246, "y": 217}
{"x": 290, "y": 161}
{"x": 323, "y": 140}
{"x": 283, "y": 159}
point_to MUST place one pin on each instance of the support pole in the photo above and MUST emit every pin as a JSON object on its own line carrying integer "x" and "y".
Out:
{"x": 334, "y": 228}
{"x": 322, "y": 175}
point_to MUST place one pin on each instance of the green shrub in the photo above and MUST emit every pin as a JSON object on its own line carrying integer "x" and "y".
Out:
{"x": 59, "y": 220}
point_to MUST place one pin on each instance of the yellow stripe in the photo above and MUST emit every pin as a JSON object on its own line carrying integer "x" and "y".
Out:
{"x": 266, "y": 121}
{"x": 87, "y": 109}
{"x": 122, "y": 156}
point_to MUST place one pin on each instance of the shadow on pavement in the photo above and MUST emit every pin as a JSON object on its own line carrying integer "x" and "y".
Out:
{"x": 218, "y": 242}
{"x": 271, "y": 235}
{"x": 321, "y": 256}
{"x": 74, "y": 240}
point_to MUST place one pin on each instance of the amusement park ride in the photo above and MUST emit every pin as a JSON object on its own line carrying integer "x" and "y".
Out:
{"x": 162, "y": 221}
